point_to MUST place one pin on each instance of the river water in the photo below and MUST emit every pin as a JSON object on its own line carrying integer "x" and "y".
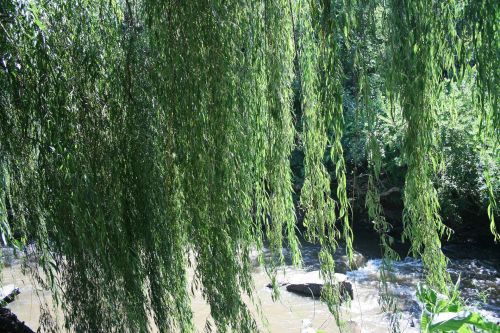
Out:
{"x": 479, "y": 270}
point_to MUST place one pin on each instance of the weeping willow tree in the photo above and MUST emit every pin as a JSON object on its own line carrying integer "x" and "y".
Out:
{"x": 144, "y": 140}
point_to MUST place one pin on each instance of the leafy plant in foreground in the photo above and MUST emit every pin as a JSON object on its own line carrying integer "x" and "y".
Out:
{"x": 447, "y": 314}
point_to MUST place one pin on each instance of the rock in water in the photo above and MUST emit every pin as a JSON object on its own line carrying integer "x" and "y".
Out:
{"x": 306, "y": 289}
{"x": 10, "y": 324}
{"x": 314, "y": 289}
{"x": 342, "y": 261}
{"x": 8, "y": 293}
{"x": 311, "y": 284}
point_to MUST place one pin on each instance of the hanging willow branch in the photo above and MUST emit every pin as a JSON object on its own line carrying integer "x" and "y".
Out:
{"x": 420, "y": 53}
{"x": 365, "y": 40}
{"x": 484, "y": 26}
{"x": 321, "y": 96}
{"x": 144, "y": 145}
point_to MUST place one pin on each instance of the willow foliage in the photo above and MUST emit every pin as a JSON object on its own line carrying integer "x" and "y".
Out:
{"x": 142, "y": 142}
{"x": 320, "y": 74}
{"x": 432, "y": 49}
{"x": 366, "y": 30}
{"x": 424, "y": 55}
{"x": 483, "y": 24}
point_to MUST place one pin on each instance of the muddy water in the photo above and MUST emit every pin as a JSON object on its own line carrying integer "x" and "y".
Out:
{"x": 480, "y": 277}
{"x": 27, "y": 304}
{"x": 285, "y": 315}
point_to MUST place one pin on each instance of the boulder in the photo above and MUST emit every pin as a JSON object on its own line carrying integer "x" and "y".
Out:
{"x": 305, "y": 289}
{"x": 8, "y": 293}
{"x": 314, "y": 289}
{"x": 9, "y": 323}
{"x": 342, "y": 261}
{"x": 311, "y": 284}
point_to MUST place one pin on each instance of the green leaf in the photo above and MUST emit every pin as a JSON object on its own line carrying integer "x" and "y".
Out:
{"x": 461, "y": 321}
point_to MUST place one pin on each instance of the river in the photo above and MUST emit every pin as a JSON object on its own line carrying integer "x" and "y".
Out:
{"x": 479, "y": 270}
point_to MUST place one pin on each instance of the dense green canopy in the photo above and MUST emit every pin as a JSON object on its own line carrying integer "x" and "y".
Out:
{"x": 142, "y": 138}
